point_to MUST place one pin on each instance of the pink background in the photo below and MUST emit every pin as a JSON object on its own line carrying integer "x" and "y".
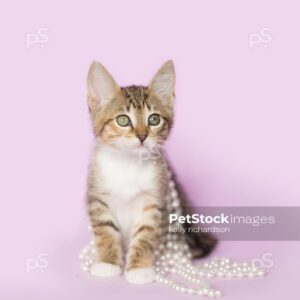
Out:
{"x": 235, "y": 140}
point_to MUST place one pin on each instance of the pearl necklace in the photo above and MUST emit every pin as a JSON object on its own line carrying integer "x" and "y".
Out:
{"x": 173, "y": 259}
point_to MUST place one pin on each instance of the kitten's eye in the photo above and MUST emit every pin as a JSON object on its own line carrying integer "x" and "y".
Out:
{"x": 154, "y": 119}
{"x": 123, "y": 121}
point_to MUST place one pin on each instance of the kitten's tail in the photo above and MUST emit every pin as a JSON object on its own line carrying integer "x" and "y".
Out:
{"x": 201, "y": 244}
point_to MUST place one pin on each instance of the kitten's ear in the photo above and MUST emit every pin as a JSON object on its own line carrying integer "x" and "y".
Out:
{"x": 101, "y": 86}
{"x": 163, "y": 83}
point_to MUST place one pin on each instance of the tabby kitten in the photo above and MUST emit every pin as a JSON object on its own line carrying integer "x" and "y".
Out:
{"x": 126, "y": 193}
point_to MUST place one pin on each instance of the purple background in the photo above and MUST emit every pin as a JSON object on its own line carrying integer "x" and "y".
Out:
{"x": 235, "y": 141}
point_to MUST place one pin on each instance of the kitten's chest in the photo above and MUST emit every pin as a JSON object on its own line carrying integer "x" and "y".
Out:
{"x": 123, "y": 175}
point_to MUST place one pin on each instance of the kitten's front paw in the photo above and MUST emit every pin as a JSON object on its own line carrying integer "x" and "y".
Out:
{"x": 102, "y": 269}
{"x": 140, "y": 276}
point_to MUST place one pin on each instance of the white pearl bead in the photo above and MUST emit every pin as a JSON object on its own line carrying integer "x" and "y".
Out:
{"x": 211, "y": 294}
{"x": 85, "y": 268}
{"x": 205, "y": 291}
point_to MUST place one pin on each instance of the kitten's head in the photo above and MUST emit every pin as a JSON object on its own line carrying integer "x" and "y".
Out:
{"x": 132, "y": 117}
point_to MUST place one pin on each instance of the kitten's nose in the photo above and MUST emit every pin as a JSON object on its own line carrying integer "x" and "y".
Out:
{"x": 142, "y": 137}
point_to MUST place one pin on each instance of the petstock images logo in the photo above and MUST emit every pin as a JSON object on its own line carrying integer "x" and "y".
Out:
{"x": 240, "y": 223}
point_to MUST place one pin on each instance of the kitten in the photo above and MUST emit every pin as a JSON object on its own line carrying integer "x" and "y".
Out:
{"x": 126, "y": 193}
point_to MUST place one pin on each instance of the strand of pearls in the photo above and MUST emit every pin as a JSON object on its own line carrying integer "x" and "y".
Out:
{"x": 88, "y": 255}
{"x": 173, "y": 259}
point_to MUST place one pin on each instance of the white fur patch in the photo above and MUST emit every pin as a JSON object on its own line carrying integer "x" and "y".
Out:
{"x": 140, "y": 276}
{"x": 124, "y": 174}
{"x": 125, "y": 177}
{"x": 102, "y": 269}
